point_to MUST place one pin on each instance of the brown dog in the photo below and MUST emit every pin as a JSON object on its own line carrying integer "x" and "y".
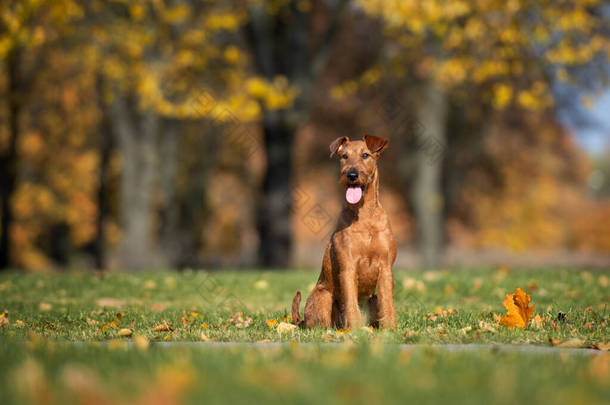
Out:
{"x": 361, "y": 250}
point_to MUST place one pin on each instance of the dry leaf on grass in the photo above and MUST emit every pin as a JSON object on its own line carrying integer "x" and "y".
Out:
{"x": 4, "y": 321}
{"x": 570, "y": 343}
{"x": 271, "y": 323}
{"x": 204, "y": 338}
{"x": 164, "y": 327}
{"x": 465, "y": 330}
{"x": 368, "y": 329}
{"x": 343, "y": 331}
{"x": 604, "y": 346}
{"x": 486, "y": 327}
{"x": 44, "y": 306}
{"x": 125, "y": 332}
{"x": 158, "y": 307}
{"x": 285, "y": 327}
{"x": 440, "y": 313}
{"x": 518, "y": 310}
{"x": 239, "y": 320}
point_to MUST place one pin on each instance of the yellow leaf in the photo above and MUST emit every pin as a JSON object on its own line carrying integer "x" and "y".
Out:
{"x": 342, "y": 331}
{"x": 164, "y": 327}
{"x": 125, "y": 332}
{"x": 271, "y": 323}
{"x": 570, "y": 343}
{"x": 285, "y": 327}
{"x": 518, "y": 310}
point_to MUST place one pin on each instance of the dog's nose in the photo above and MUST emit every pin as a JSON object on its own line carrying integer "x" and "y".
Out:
{"x": 352, "y": 175}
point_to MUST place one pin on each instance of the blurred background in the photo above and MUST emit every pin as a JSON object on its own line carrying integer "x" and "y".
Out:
{"x": 149, "y": 134}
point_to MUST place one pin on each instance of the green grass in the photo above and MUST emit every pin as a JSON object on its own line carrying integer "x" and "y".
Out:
{"x": 48, "y": 312}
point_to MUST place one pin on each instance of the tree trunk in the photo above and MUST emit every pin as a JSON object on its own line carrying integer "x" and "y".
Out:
{"x": 275, "y": 219}
{"x": 137, "y": 136}
{"x": 171, "y": 236}
{"x": 105, "y": 146}
{"x": 427, "y": 192}
{"x": 280, "y": 44}
{"x": 8, "y": 159}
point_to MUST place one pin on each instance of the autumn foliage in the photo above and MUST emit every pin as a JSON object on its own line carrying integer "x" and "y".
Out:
{"x": 518, "y": 310}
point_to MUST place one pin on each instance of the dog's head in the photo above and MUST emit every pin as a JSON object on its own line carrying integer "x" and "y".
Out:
{"x": 358, "y": 163}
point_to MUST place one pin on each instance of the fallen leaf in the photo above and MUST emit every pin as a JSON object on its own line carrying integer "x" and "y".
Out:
{"x": 287, "y": 318}
{"x": 604, "y": 281}
{"x": 604, "y": 346}
{"x": 440, "y": 313}
{"x": 167, "y": 337}
{"x": 120, "y": 315}
{"x": 158, "y": 307}
{"x": 150, "y": 284}
{"x": 204, "y": 338}
{"x": 204, "y": 325}
{"x": 368, "y": 329}
{"x": 285, "y": 327}
{"x": 4, "y": 321}
{"x": 570, "y": 343}
{"x": 108, "y": 325}
{"x": 343, "y": 331}
{"x": 19, "y": 323}
{"x": 125, "y": 332}
{"x": 163, "y": 327}
{"x": 92, "y": 321}
{"x": 486, "y": 327}
{"x": 271, "y": 323}
{"x": 411, "y": 333}
{"x": 239, "y": 321}
{"x": 261, "y": 284}
{"x": 518, "y": 310}
{"x": 184, "y": 321}
{"x": 465, "y": 330}
{"x": 44, "y": 306}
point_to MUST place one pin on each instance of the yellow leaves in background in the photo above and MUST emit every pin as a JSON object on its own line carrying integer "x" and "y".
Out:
{"x": 228, "y": 21}
{"x": 519, "y": 312}
{"x": 274, "y": 95}
{"x": 502, "y": 95}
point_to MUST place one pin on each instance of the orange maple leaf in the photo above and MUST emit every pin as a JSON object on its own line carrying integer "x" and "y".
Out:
{"x": 518, "y": 310}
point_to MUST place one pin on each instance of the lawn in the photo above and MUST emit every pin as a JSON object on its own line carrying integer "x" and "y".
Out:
{"x": 53, "y": 325}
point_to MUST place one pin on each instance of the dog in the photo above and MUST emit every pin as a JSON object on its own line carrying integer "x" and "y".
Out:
{"x": 361, "y": 252}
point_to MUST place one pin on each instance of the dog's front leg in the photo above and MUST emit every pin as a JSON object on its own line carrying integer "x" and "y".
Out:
{"x": 349, "y": 295}
{"x": 385, "y": 293}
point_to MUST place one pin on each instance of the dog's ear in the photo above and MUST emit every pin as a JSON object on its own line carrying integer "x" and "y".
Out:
{"x": 375, "y": 144}
{"x": 337, "y": 144}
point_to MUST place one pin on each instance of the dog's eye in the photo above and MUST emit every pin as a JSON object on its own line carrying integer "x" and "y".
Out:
{"x": 365, "y": 155}
{"x": 344, "y": 156}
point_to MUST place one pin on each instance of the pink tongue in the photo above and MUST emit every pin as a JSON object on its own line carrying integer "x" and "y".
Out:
{"x": 353, "y": 195}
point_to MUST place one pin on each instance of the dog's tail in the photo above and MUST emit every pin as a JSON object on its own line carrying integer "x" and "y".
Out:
{"x": 296, "y": 302}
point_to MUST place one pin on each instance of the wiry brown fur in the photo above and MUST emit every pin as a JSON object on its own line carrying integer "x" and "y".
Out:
{"x": 359, "y": 256}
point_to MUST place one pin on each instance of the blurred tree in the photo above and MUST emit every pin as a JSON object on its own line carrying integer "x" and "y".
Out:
{"x": 289, "y": 50}
{"x": 27, "y": 30}
{"x": 161, "y": 62}
{"x": 512, "y": 52}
